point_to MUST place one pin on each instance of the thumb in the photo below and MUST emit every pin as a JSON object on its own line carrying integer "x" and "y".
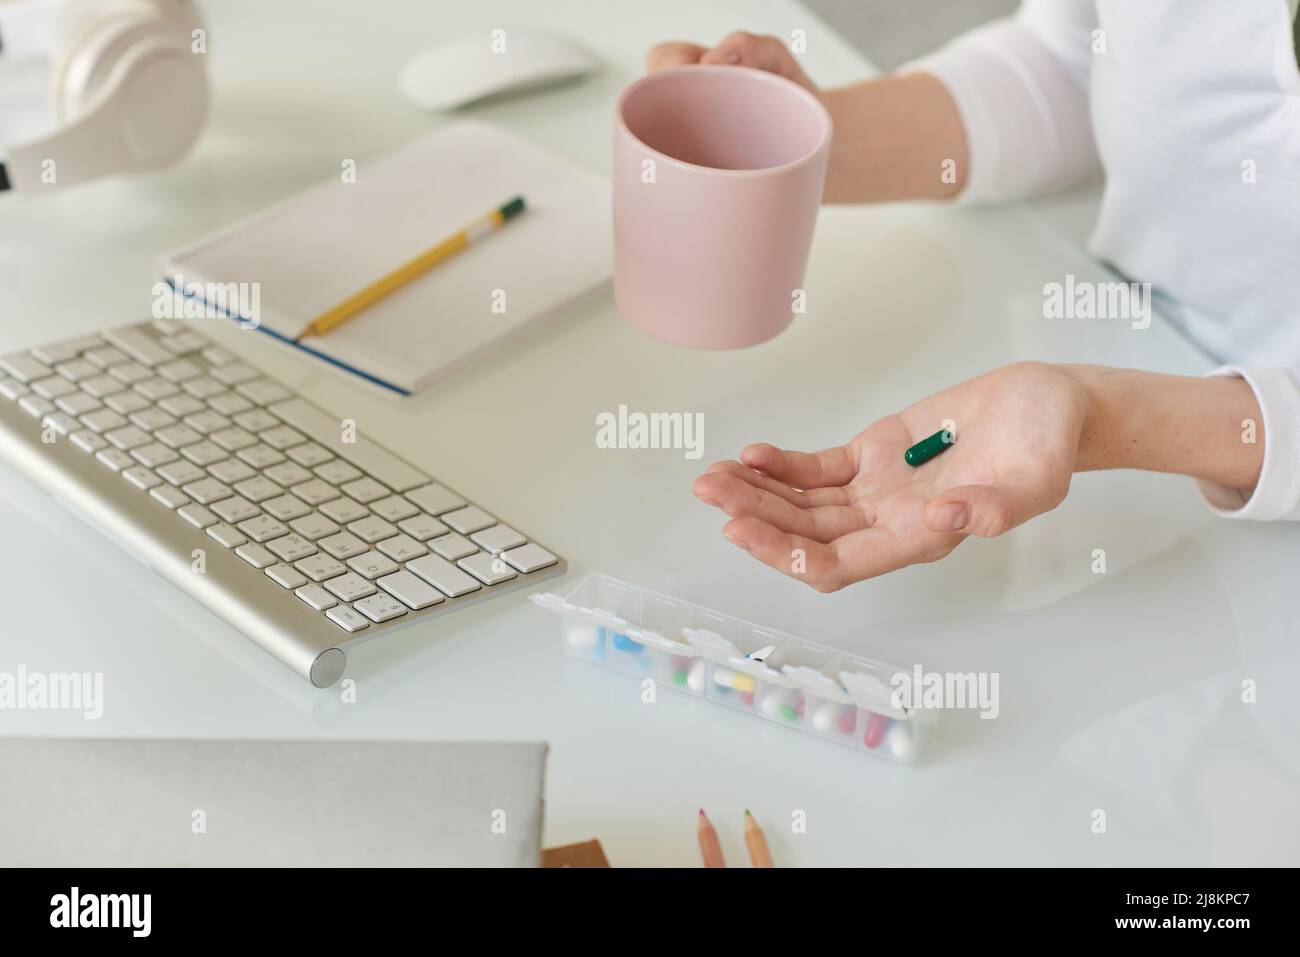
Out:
{"x": 984, "y": 510}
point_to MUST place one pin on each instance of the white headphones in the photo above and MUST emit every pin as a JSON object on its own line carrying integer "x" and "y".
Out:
{"x": 130, "y": 93}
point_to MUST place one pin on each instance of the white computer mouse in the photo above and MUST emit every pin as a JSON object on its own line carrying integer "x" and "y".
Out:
{"x": 475, "y": 66}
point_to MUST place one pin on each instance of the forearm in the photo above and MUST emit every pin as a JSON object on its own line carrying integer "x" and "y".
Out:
{"x": 1165, "y": 423}
{"x": 895, "y": 138}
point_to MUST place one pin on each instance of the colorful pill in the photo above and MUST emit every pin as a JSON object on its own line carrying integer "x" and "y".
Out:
{"x": 624, "y": 643}
{"x": 928, "y": 448}
{"x": 877, "y": 725}
{"x": 789, "y": 713}
{"x": 848, "y": 719}
{"x": 734, "y": 680}
{"x": 680, "y": 678}
{"x": 747, "y": 698}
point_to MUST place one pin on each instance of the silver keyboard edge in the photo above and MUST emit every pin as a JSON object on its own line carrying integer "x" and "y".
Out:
{"x": 307, "y": 643}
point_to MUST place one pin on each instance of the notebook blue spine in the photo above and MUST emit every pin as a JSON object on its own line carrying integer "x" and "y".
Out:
{"x": 337, "y": 363}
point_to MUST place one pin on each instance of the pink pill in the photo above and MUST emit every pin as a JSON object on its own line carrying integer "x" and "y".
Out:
{"x": 875, "y": 730}
{"x": 848, "y": 718}
{"x": 747, "y": 697}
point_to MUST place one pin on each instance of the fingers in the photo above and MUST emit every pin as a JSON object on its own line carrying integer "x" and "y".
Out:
{"x": 739, "y": 499}
{"x": 804, "y": 498}
{"x": 805, "y": 470}
{"x": 746, "y": 49}
{"x": 855, "y": 557}
{"x": 673, "y": 54}
{"x": 987, "y": 510}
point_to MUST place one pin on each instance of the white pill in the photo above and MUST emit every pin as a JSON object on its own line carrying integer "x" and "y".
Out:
{"x": 695, "y": 677}
{"x": 825, "y": 716}
{"x": 582, "y": 637}
{"x": 772, "y": 702}
{"x": 901, "y": 742}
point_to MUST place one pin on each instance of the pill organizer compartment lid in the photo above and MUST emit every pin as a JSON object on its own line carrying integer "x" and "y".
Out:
{"x": 656, "y": 640}
{"x": 814, "y": 682}
{"x": 552, "y": 602}
{"x": 870, "y": 692}
{"x": 710, "y": 644}
{"x": 606, "y": 619}
{"x": 759, "y": 670}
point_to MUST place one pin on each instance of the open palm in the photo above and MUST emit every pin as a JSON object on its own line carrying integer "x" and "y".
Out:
{"x": 855, "y": 511}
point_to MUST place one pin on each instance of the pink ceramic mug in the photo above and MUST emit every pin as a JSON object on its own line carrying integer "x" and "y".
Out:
{"x": 718, "y": 174}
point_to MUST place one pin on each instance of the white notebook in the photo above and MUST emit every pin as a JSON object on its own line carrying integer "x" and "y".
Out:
{"x": 317, "y": 248}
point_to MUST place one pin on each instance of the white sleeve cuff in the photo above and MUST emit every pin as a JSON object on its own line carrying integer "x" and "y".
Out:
{"x": 1028, "y": 126}
{"x": 1277, "y": 494}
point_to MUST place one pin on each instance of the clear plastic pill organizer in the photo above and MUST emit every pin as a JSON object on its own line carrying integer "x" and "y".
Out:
{"x": 737, "y": 664}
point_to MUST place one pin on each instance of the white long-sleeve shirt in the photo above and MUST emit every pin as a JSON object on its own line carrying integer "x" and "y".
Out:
{"x": 1192, "y": 109}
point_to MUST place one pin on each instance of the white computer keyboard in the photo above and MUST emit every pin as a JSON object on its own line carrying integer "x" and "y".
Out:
{"x": 309, "y": 542}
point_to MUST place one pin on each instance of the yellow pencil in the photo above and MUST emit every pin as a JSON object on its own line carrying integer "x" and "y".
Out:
{"x": 759, "y": 855}
{"x": 421, "y": 264}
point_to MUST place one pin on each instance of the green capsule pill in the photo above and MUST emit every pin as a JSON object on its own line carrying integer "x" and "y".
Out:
{"x": 928, "y": 448}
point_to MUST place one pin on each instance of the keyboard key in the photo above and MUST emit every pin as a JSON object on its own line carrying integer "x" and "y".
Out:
{"x": 218, "y": 357}
{"x": 226, "y": 536}
{"x": 23, "y": 367}
{"x": 347, "y": 619}
{"x": 255, "y": 555}
{"x": 78, "y": 403}
{"x": 35, "y": 406}
{"x": 139, "y": 345}
{"x": 286, "y": 577}
{"x": 258, "y": 489}
{"x": 202, "y": 387}
{"x": 106, "y": 356}
{"x": 155, "y": 388}
{"x": 371, "y": 529}
{"x": 489, "y": 569}
{"x": 453, "y": 546}
{"x": 176, "y": 436}
{"x": 337, "y": 472}
{"x": 309, "y": 454}
{"x": 87, "y": 441}
{"x": 291, "y": 547}
{"x": 53, "y": 387}
{"x": 129, "y": 373}
{"x": 203, "y": 453}
{"x": 366, "y": 455}
{"x": 76, "y": 370}
{"x": 124, "y": 403}
{"x": 151, "y": 420}
{"x": 228, "y": 403}
{"x": 208, "y": 490}
{"x": 410, "y": 590}
{"x": 443, "y": 575}
{"x": 179, "y": 370}
{"x": 61, "y": 423}
{"x": 317, "y": 597}
{"x": 12, "y": 389}
{"x": 114, "y": 459}
{"x": 343, "y": 545}
{"x": 314, "y": 526}
{"x": 529, "y": 558}
{"x": 181, "y": 473}
{"x": 282, "y": 437}
{"x": 257, "y": 420}
{"x": 286, "y": 508}
{"x": 101, "y": 386}
{"x": 167, "y": 327}
{"x": 125, "y": 439}
{"x": 344, "y": 510}
{"x": 402, "y": 548}
{"x": 498, "y": 538}
{"x": 260, "y": 456}
{"x": 468, "y": 520}
{"x": 350, "y": 587}
{"x": 263, "y": 391}
{"x": 235, "y": 509}
{"x": 64, "y": 351}
{"x": 319, "y": 567}
{"x": 233, "y": 439}
{"x": 141, "y": 478}
{"x": 230, "y": 471}
{"x": 184, "y": 343}
{"x": 394, "y": 508}
{"x": 102, "y": 420}
{"x": 287, "y": 474}
{"x": 169, "y": 496}
{"x": 315, "y": 492}
{"x": 422, "y": 527}
{"x": 372, "y": 565}
{"x": 180, "y": 405}
{"x": 262, "y": 528}
{"x": 207, "y": 421}
{"x": 380, "y": 608}
{"x": 154, "y": 455}
{"x": 198, "y": 516}
{"x": 435, "y": 499}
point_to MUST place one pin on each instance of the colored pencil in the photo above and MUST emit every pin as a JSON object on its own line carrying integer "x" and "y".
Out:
{"x": 710, "y": 849}
{"x": 377, "y": 290}
{"x": 759, "y": 855}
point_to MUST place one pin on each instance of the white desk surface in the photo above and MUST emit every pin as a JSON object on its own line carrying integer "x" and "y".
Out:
{"x": 1119, "y": 691}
